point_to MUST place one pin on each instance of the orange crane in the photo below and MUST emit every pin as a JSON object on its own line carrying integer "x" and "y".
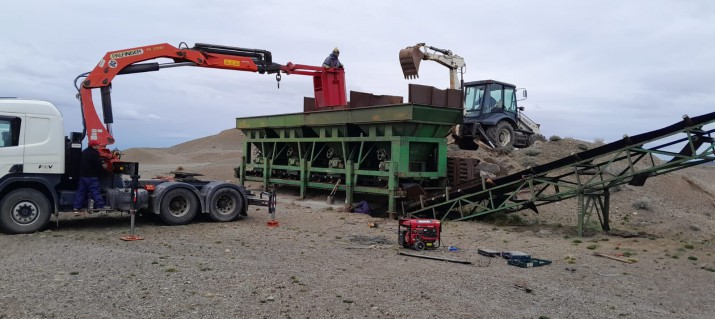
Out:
{"x": 329, "y": 84}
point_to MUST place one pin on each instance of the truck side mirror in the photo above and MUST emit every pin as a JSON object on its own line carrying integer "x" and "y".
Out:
{"x": 524, "y": 93}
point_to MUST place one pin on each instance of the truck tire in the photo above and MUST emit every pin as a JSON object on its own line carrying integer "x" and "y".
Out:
{"x": 225, "y": 205}
{"x": 24, "y": 210}
{"x": 179, "y": 206}
{"x": 502, "y": 134}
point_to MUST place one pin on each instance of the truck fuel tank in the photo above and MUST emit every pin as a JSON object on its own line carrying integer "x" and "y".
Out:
{"x": 120, "y": 198}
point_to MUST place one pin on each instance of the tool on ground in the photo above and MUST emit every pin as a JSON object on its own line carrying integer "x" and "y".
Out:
{"x": 419, "y": 233}
{"x": 523, "y": 286}
{"x": 488, "y": 252}
{"x": 331, "y": 196}
{"x": 614, "y": 258}
{"x": 436, "y": 258}
{"x": 271, "y": 207}
{"x": 133, "y": 189}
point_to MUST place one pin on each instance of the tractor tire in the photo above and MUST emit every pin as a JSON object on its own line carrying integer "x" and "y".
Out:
{"x": 502, "y": 134}
{"x": 178, "y": 207}
{"x": 225, "y": 205}
{"x": 24, "y": 210}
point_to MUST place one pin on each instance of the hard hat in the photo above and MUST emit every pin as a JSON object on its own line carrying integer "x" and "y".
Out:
{"x": 93, "y": 142}
{"x": 336, "y": 50}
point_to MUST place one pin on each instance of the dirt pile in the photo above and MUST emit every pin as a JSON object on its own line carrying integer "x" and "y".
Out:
{"x": 213, "y": 156}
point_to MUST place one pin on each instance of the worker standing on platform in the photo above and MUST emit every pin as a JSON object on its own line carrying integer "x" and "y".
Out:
{"x": 332, "y": 60}
{"x": 89, "y": 170}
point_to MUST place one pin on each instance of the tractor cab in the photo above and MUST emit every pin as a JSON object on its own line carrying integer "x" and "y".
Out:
{"x": 492, "y": 115}
{"x": 485, "y": 98}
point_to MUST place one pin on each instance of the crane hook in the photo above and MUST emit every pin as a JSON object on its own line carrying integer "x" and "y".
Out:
{"x": 278, "y": 79}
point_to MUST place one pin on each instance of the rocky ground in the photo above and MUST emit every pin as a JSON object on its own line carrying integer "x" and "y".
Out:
{"x": 323, "y": 262}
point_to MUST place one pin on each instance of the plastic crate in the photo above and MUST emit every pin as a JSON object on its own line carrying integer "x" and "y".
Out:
{"x": 533, "y": 262}
{"x": 516, "y": 255}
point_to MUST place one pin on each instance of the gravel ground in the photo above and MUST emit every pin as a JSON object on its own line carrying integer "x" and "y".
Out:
{"x": 325, "y": 263}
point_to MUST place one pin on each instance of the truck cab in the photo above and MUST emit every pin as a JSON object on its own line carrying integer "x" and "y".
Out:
{"x": 491, "y": 114}
{"x": 39, "y": 173}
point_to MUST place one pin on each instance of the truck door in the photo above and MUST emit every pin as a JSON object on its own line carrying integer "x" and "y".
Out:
{"x": 11, "y": 150}
{"x": 43, "y": 144}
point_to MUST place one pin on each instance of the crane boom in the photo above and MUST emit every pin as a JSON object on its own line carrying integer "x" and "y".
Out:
{"x": 329, "y": 83}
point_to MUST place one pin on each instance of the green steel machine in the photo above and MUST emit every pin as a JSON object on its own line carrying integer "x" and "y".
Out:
{"x": 370, "y": 145}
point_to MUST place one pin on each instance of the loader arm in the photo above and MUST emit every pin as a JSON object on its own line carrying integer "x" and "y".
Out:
{"x": 411, "y": 57}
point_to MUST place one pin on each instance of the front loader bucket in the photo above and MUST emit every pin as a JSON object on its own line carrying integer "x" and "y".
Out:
{"x": 410, "y": 58}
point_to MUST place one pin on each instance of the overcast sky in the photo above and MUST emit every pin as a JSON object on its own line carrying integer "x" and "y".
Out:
{"x": 593, "y": 69}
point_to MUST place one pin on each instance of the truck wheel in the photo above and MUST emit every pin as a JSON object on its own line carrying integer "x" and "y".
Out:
{"x": 502, "y": 134}
{"x": 225, "y": 205}
{"x": 178, "y": 207}
{"x": 24, "y": 211}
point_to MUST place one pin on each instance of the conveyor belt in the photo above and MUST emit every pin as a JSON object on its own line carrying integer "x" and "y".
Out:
{"x": 589, "y": 173}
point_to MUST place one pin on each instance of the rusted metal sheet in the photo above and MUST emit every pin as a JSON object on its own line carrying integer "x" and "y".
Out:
{"x": 428, "y": 95}
{"x": 460, "y": 170}
{"x": 361, "y": 99}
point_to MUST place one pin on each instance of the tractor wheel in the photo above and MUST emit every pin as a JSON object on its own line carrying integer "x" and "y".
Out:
{"x": 178, "y": 207}
{"x": 225, "y": 205}
{"x": 24, "y": 211}
{"x": 419, "y": 245}
{"x": 502, "y": 134}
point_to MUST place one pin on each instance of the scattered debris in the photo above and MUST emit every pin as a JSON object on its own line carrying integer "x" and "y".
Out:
{"x": 608, "y": 275}
{"x": 437, "y": 258}
{"x": 614, "y": 258}
{"x": 517, "y": 255}
{"x": 372, "y": 225}
{"x": 488, "y": 252}
{"x": 523, "y": 286}
{"x": 528, "y": 263}
{"x": 369, "y": 247}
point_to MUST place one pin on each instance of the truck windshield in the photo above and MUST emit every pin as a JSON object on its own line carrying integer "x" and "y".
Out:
{"x": 473, "y": 98}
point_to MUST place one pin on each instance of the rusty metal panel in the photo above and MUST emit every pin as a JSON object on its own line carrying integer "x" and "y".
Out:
{"x": 420, "y": 94}
{"x": 454, "y": 98}
{"x": 439, "y": 97}
{"x": 361, "y": 99}
{"x": 460, "y": 170}
{"x": 308, "y": 104}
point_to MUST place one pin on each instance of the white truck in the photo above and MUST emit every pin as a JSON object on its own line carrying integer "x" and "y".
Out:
{"x": 39, "y": 176}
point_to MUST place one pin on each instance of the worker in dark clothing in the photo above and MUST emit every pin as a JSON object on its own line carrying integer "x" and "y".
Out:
{"x": 89, "y": 169}
{"x": 332, "y": 60}
{"x": 361, "y": 207}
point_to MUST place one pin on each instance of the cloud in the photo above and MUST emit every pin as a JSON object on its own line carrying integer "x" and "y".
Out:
{"x": 593, "y": 69}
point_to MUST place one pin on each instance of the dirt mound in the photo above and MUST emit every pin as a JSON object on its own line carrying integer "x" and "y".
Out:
{"x": 228, "y": 140}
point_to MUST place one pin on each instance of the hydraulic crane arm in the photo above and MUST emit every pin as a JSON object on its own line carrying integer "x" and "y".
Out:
{"x": 411, "y": 57}
{"x": 125, "y": 62}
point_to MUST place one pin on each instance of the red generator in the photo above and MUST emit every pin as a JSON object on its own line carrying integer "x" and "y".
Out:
{"x": 419, "y": 233}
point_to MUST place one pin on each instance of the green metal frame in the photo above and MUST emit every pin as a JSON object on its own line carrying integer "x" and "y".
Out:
{"x": 589, "y": 179}
{"x": 369, "y": 150}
